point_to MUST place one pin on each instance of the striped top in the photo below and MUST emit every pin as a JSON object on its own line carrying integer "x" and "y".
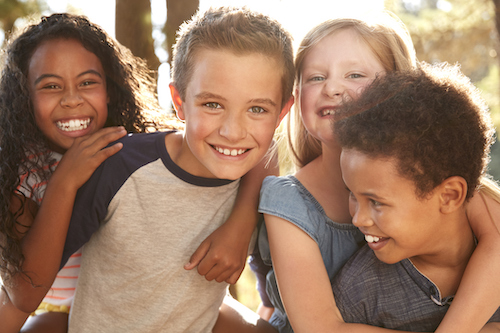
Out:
{"x": 63, "y": 288}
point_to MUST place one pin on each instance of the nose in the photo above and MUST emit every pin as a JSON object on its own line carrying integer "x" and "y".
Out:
{"x": 233, "y": 127}
{"x": 71, "y": 98}
{"x": 360, "y": 216}
{"x": 333, "y": 88}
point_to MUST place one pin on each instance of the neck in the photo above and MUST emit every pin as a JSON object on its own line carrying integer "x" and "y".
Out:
{"x": 323, "y": 178}
{"x": 446, "y": 264}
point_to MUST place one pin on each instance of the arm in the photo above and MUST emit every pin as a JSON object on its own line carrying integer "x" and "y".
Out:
{"x": 478, "y": 295}
{"x": 43, "y": 244}
{"x": 303, "y": 281}
{"x": 12, "y": 318}
{"x": 491, "y": 328}
{"x": 222, "y": 255}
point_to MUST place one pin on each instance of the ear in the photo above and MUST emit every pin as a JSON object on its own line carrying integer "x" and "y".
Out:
{"x": 452, "y": 192}
{"x": 285, "y": 110}
{"x": 177, "y": 101}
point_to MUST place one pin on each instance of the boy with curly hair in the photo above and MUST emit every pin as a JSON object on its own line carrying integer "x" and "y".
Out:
{"x": 415, "y": 147}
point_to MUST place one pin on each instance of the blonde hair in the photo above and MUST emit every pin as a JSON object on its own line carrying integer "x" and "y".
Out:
{"x": 238, "y": 30}
{"x": 390, "y": 42}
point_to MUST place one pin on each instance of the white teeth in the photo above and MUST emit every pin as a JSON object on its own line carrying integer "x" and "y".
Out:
{"x": 230, "y": 152}
{"x": 73, "y": 125}
{"x": 371, "y": 239}
{"x": 328, "y": 112}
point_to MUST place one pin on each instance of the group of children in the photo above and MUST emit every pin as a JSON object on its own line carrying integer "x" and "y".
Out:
{"x": 388, "y": 151}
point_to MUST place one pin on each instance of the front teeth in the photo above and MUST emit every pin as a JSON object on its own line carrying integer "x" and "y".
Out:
{"x": 328, "y": 112}
{"x": 230, "y": 152}
{"x": 73, "y": 125}
{"x": 371, "y": 239}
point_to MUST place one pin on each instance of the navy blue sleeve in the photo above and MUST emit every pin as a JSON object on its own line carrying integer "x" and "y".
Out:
{"x": 93, "y": 198}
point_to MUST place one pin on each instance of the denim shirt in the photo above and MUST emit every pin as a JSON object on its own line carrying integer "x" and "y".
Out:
{"x": 396, "y": 296}
{"x": 287, "y": 198}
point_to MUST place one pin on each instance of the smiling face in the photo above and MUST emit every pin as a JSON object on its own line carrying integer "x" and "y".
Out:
{"x": 231, "y": 109}
{"x": 68, "y": 91}
{"x": 341, "y": 63}
{"x": 396, "y": 223}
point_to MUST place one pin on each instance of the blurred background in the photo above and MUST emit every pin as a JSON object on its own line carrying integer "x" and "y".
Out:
{"x": 462, "y": 31}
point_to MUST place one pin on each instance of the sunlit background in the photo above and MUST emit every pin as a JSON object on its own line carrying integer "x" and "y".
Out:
{"x": 455, "y": 31}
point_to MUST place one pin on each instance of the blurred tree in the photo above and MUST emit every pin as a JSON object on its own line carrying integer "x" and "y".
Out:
{"x": 461, "y": 31}
{"x": 11, "y": 10}
{"x": 178, "y": 11}
{"x": 134, "y": 29}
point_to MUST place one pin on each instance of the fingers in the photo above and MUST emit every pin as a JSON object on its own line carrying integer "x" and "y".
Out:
{"x": 198, "y": 255}
{"x": 102, "y": 137}
{"x": 221, "y": 268}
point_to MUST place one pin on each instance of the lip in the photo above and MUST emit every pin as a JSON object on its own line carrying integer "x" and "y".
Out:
{"x": 376, "y": 242}
{"x": 74, "y": 127}
{"x": 329, "y": 109}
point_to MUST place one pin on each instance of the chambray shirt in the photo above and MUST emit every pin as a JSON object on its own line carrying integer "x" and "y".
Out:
{"x": 397, "y": 296}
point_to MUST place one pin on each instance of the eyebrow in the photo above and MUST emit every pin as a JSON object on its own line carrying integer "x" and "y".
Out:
{"x": 205, "y": 95}
{"x": 44, "y": 76}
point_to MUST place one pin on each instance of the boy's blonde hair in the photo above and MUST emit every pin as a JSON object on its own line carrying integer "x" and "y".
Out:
{"x": 237, "y": 30}
{"x": 389, "y": 41}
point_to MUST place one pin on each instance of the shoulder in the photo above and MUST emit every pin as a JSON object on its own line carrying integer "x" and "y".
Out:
{"x": 282, "y": 188}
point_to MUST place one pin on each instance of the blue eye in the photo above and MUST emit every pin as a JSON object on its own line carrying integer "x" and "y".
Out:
{"x": 317, "y": 78}
{"x": 355, "y": 76}
{"x": 212, "y": 105}
{"x": 256, "y": 109}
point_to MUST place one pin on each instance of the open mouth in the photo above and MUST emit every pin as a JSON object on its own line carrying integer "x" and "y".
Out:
{"x": 373, "y": 239}
{"x": 327, "y": 112}
{"x": 230, "y": 152}
{"x": 73, "y": 125}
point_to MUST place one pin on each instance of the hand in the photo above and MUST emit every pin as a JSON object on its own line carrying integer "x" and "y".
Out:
{"x": 221, "y": 256}
{"x": 87, "y": 153}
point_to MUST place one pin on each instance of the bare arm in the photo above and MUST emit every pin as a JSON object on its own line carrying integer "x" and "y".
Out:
{"x": 43, "y": 244}
{"x": 222, "y": 255}
{"x": 478, "y": 295}
{"x": 12, "y": 318}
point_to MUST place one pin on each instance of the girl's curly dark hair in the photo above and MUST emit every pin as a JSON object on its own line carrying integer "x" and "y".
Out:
{"x": 130, "y": 87}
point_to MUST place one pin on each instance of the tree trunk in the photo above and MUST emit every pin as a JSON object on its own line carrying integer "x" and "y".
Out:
{"x": 178, "y": 11}
{"x": 134, "y": 29}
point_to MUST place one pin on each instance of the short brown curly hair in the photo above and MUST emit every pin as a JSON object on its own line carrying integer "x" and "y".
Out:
{"x": 431, "y": 119}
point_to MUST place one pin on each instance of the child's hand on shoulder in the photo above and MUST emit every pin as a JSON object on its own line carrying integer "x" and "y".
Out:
{"x": 221, "y": 256}
{"x": 87, "y": 153}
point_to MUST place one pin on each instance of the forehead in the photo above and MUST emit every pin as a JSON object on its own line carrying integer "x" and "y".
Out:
{"x": 381, "y": 174}
{"x": 344, "y": 45}
{"x": 239, "y": 76}
{"x": 62, "y": 54}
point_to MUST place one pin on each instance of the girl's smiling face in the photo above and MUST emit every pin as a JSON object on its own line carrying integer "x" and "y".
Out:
{"x": 341, "y": 64}
{"x": 68, "y": 91}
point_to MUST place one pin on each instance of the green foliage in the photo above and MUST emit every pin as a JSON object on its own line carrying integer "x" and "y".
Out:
{"x": 465, "y": 34}
{"x": 11, "y": 10}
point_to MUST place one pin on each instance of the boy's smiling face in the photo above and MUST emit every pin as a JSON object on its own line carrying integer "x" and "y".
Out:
{"x": 231, "y": 109}
{"x": 384, "y": 205}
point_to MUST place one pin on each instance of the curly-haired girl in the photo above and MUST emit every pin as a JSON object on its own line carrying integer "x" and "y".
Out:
{"x": 63, "y": 80}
